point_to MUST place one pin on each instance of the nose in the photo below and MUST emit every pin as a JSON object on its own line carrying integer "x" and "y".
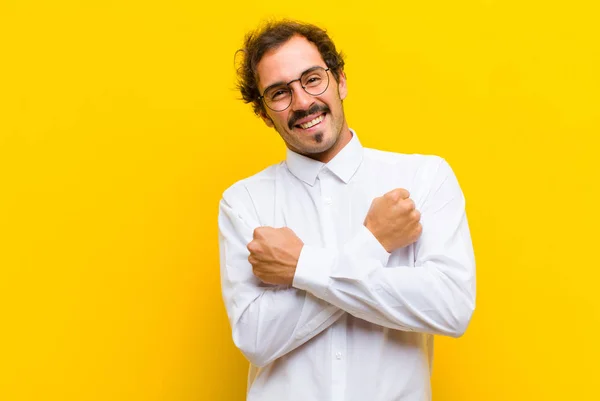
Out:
{"x": 300, "y": 99}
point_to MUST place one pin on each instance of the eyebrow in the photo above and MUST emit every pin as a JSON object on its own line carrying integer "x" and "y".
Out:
{"x": 284, "y": 83}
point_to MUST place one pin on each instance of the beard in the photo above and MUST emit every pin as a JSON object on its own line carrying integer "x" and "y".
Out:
{"x": 318, "y": 142}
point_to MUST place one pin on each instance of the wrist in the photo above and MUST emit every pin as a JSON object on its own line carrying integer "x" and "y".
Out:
{"x": 378, "y": 237}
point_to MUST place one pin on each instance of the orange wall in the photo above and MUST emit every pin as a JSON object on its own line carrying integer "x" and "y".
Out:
{"x": 120, "y": 128}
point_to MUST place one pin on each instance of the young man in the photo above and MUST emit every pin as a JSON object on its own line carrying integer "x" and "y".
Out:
{"x": 339, "y": 264}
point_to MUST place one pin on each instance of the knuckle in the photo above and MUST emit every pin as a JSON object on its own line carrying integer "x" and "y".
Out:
{"x": 252, "y": 247}
{"x": 408, "y": 204}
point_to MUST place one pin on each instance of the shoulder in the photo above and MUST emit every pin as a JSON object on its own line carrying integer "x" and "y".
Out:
{"x": 422, "y": 175}
{"x": 252, "y": 198}
{"x": 261, "y": 181}
{"x": 409, "y": 163}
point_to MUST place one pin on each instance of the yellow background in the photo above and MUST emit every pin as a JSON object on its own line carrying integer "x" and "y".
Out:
{"x": 120, "y": 128}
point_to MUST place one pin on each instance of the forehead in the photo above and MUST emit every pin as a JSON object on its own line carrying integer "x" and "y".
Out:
{"x": 288, "y": 61}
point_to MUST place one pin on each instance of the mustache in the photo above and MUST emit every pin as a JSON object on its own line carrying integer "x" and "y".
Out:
{"x": 297, "y": 115}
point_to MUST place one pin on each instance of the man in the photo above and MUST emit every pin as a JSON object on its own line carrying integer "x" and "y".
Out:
{"x": 339, "y": 264}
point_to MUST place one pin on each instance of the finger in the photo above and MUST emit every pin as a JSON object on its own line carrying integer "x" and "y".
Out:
{"x": 392, "y": 195}
{"x": 397, "y": 194}
{"x": 252, "y": 246}
{"x": 263, "y": 231}
{"x": 419, "y": 230}
{"x": 408, "y": 204}
{"x": 404, "y": 194}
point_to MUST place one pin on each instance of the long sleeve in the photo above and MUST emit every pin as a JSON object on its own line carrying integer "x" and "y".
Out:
{"x": 435, "y": 296}
{"x": 267, "y": 321}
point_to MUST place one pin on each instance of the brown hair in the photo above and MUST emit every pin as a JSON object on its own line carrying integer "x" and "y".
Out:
{"x": 271, "y": 36}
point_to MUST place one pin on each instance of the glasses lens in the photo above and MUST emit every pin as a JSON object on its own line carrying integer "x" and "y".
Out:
{"x": 316, "y": 81}
{"x": 278, "y": 98}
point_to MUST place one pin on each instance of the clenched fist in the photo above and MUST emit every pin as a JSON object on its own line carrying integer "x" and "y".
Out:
{"x": 274, "y": 254}
{"x": 394, "y": 220}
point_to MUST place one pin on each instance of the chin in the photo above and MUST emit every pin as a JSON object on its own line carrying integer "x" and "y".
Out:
{"x": 320, "y": 147}
{"x": 313, "y": 143}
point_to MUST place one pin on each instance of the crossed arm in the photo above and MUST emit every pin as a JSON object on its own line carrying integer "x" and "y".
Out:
{"x": 279, "y": 293}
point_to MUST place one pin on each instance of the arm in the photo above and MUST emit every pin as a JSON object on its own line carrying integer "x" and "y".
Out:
{"x": 436, "y": 296}
{"x": 267, "y": 321}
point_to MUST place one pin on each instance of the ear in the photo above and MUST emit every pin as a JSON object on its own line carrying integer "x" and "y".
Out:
{"x": 266, "y": 119}
{"x": 342, "y": 88}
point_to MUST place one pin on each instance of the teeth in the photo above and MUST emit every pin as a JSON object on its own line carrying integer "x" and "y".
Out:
{"x": 313, "y": 122}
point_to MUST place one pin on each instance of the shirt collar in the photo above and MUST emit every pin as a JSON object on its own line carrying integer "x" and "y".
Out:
{"x": 343, "y": 165}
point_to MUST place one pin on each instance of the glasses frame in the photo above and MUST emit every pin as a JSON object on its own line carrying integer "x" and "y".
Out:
{"x": 262, "y": 97}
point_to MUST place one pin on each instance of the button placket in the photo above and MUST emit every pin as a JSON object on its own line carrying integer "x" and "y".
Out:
{"x": 329, "y": 186}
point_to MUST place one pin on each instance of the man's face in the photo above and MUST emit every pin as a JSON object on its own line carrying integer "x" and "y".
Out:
{"x": 285, "y": 64}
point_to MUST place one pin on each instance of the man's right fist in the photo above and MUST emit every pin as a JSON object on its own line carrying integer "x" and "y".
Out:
{"x": 394, "y": 220}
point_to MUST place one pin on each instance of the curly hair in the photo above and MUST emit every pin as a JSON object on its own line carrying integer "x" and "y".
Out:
{"x": 271, "y": 36}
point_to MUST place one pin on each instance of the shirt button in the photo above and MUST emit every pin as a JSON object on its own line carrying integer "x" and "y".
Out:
{"x": 328, "y": 201}
{"x": 338, "y": 355}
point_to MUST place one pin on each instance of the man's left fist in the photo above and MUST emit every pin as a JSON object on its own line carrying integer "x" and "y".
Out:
{"x": 274, "y": 254}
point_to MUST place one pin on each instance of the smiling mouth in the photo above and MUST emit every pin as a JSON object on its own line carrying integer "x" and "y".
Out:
{"x": 315, "y": 121}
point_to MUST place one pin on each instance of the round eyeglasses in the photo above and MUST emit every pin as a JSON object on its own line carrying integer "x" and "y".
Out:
{"x": 314, "y": 81}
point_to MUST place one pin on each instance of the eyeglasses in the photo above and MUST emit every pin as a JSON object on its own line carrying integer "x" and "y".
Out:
{"x": 314, "y": 81}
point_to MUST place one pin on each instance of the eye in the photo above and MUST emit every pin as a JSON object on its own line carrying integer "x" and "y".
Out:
{"x": 312, "y": 80}
{"x": 277, "y": 93}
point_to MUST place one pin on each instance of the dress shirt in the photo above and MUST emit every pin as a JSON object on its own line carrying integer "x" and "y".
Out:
{"x": 357, "y": 324}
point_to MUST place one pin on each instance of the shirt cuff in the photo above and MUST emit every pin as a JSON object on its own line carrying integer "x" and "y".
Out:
{"x": 313, "y": 270}
{"x": 364, "y": 245}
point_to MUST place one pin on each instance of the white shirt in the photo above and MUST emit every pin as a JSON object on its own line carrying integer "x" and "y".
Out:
{"x": 357, "y": 324}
